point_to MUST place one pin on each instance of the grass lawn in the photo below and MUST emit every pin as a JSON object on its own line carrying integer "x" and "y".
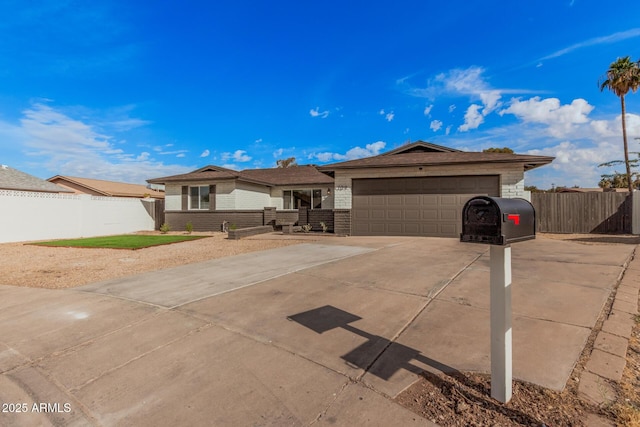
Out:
{"x": 127, "y": 241}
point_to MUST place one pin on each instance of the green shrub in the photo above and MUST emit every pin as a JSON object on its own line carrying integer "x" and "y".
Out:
{"x": 189, "y": 227}
{"x": 324, "y": 226}
{"x": 233, "y": 227}
{"x": 164, "y": 228}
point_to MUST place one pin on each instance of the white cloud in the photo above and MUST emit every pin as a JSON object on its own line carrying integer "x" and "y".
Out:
{"x": 389, "y": 117}
{"x": 560, "y": 119}
{"x": 472, "y": 118}
{"x": 58, "y": 143}
{"x": 315, "y": 112}
{"x": 237, "y": 156}
{"x": 447, "y": 131}
{"x": 427, "y": 110}
{"x": 576, "y": 163}
{"x": 435, "y": 125}
{"x": 205, "y": 153}
{"x": 611, "y": 38}
{"x": 452, "y": 107}
{"x": 354, "y": 153}
{"x": 381, "y": 112}
{"x": 258, "y": 141}
{"x": 278, "y": 152}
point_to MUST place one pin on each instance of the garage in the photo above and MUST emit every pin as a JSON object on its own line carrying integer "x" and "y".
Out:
{"x": 417, "y": 206}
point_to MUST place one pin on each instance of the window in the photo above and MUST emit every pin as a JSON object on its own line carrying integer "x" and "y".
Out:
{"x": 296, "y": 199}
{"x": 199, "y": 197}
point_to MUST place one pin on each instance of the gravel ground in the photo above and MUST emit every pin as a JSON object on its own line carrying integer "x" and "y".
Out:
{"x": 58, "y": 268}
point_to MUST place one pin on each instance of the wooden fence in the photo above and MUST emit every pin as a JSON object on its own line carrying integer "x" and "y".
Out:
{"x": 606, "y": 213}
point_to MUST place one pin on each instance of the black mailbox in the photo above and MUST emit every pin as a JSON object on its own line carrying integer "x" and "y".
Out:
{"x": 497, "y": 221}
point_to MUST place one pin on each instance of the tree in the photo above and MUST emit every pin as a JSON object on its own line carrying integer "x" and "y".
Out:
{"x": 287, "y": 163}
{"x": 622, "y": 76}
{"x": 498, "y": 150}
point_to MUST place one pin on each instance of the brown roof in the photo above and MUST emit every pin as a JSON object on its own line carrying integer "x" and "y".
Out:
{"x": 439, "y": 158}
{"x": 295, "y": 175}
{"x": 105, "y": 188}
{"x": 306, "y": 174}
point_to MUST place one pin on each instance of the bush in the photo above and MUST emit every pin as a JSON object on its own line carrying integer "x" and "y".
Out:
{"x": 164, "y": 228}
{"x": 307, "y": 228}
{"x": 189, "y": 227}
{"x": 324, "y": 226}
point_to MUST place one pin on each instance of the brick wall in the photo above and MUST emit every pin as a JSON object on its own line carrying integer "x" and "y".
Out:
{"x": 270, "y": 216}
{"x": 286, "y": 216}
{"x": 342, "y": 221}
{"x": 316, "y": 216}
{"x": 212, "y": 221}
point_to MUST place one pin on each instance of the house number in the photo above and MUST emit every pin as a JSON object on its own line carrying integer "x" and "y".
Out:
{"x": 341, "y": 187}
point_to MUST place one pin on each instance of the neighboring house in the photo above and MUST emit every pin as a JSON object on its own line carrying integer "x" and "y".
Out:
{"x": 13, "y": 179}
{"x": 99, "y": 187}
{"x": 417, "y": 189}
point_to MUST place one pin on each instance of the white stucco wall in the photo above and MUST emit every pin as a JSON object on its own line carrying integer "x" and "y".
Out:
{"x": 249, "y": 196}
{"x": 511, "y": 178}
{"x": 26, "y": 215}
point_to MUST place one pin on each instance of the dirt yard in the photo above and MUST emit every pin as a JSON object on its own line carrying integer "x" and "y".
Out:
{"x": 57, "y": 268}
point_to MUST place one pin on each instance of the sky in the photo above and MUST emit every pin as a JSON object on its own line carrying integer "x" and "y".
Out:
{"x": 133, "y": 90}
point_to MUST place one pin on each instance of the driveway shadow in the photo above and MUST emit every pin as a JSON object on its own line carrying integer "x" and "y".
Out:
{"x": 398, "y": 356}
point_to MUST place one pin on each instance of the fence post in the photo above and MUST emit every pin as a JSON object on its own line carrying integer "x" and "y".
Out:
{"x": 635, "y": 212}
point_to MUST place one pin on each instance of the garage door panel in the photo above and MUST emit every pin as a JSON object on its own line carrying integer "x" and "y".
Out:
{"x": 412, "y": 215}
{"x": 429, "y": 214}
{"x": 427, "y": 206}
{"x": 449, "y": 214}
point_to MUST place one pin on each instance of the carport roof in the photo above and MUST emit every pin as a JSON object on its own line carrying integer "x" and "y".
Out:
{"x": 439, "y": 158}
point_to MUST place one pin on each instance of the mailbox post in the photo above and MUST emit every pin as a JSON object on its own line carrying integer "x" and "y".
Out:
{"x": 499, "y": 222}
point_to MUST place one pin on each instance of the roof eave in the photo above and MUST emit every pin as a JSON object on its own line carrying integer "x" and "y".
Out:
{"x": 530, "y": 164}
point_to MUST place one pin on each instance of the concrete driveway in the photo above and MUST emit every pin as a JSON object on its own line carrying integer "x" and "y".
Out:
{"x": 313, "y": 333}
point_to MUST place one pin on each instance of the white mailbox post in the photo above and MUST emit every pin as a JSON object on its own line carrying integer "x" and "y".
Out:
{"x": 501, "y": 367}
{"x": 499, "y": 222}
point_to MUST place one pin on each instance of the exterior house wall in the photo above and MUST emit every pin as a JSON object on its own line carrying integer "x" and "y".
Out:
{"x": 225, "y": 195}
{"x": 249, "y": 196}
{"x": 511, "y": 178}
{"x": 172, "y": 197}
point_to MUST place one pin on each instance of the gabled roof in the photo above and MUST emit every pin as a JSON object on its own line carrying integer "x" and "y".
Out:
{"x": 13, "y": 179}
{"x": 425, "y": 154}
{"x": 206, "y": 173}
{"x": 420, "y": 147}
{"x": 294, "y": 175}
{"x": 104, "y": 188}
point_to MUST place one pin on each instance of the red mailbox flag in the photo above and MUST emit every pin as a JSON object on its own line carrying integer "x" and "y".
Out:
{"x": 514, "y": 217}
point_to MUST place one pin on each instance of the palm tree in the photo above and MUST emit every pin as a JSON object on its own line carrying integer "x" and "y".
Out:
{"x": 623, "y": 75}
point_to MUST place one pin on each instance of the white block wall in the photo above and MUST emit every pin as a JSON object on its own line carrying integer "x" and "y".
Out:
{"x": 26, "y": 215}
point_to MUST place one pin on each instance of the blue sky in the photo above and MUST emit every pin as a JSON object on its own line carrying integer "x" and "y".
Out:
{"x": 132, "y": 90}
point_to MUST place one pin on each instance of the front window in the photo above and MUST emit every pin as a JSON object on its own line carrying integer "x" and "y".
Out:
{"x": 296, "y": 199}
{"x": 199, "y": 197}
